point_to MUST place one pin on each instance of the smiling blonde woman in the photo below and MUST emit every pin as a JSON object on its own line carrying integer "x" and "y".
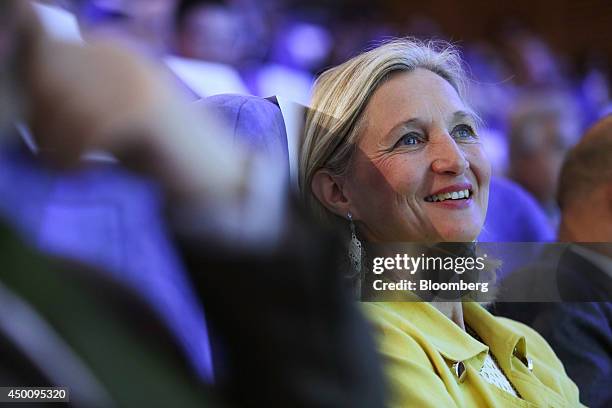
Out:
{"x": 391, "y": 149}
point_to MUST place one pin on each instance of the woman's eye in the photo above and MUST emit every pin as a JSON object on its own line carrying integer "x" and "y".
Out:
{"x": 464, "y": 132}
{"x": 410, "y": 139}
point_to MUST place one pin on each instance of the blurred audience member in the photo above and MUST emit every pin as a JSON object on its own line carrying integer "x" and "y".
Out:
{"x": 148, "y": 29}
{"x": 585, "y": 188}
{"x": 210, "y": 45}
{"x": 303, "y": 342}
{"x": 578, "y": 325}
{"x": 210, "y": 30}
{"x": 299, "y": 48}
{"x": 493, "y": 93}
{"x": 533, "y": 63}
{"x": 144, "y": 25}
{"x": 543, "y": 126}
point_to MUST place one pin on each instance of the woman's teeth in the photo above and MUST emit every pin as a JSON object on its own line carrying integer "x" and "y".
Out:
{"x": 454, "y": 195}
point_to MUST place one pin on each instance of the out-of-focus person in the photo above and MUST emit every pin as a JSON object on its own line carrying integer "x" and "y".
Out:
{"x": 210, "y": 30}
{"x": 578, "y": 324}
{"x": 210, "y": 43}
{"x": 543, "y": 126}
{"x": 114, "y": 101}
{"x": 298, "y": 49}
{"x": 63, "y": 334}
{"x": 583, "y": 336}
{"x": 144, "y": 25}
{"x": 533, "y": 63}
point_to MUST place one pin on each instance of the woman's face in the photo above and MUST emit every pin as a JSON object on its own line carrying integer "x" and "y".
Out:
{"x": 420, "y": 172}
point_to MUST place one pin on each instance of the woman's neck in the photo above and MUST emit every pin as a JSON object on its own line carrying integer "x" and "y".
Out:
{"x": 452, "y": 310}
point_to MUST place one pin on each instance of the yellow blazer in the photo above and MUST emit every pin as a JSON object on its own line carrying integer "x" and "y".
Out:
{"x": 424, "y": 352}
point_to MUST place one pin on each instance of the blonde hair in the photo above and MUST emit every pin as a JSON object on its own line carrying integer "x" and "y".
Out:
{"x": 340, "y": 95}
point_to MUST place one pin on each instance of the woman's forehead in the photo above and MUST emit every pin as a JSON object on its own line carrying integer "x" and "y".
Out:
{"x": 418, "y": 97}
{"x": 419, "y": 92}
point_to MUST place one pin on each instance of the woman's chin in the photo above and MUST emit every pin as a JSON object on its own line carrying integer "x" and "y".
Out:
{"x": 460, "y": 235}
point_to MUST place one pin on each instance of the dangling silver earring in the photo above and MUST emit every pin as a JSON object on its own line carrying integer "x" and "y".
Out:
{"x": 355, "y": 255}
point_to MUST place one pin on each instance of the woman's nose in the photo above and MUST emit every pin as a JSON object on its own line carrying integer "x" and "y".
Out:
{"x": 447, "y": 156}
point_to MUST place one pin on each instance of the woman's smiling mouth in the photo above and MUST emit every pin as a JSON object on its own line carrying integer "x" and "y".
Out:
{"x": 459, "y": 191}
{"x": 456, "y": 196}
{"x": 451, "y": 195}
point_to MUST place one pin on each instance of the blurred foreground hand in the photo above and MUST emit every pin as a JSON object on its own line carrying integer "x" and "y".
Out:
{"x": 102, "y": 97}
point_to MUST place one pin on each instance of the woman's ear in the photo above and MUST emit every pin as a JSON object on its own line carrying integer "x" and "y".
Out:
{"x": 328, "y": 189}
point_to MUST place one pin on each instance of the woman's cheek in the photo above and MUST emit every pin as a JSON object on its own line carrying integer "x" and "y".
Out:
{"x": 479, "y": 162}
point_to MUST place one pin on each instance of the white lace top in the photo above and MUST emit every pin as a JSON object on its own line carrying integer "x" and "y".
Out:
{"x": 490, "y": 370}
{"x": 492, "y": 374}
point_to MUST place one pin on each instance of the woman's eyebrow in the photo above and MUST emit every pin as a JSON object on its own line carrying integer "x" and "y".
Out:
{"x": 403, "y": 124}
{"x": 464, "y": 116}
